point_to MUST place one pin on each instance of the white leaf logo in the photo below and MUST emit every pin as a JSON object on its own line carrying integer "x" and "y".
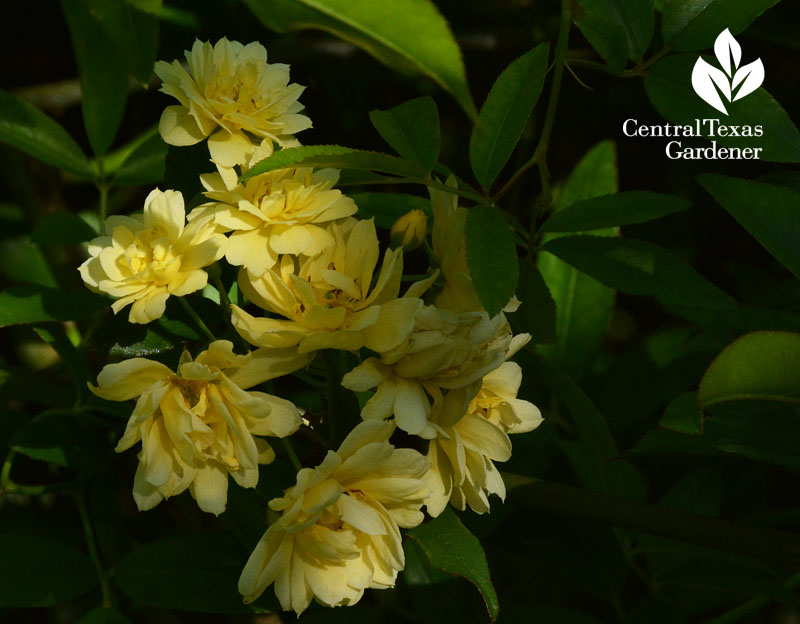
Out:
{"x": 731, "y": 82}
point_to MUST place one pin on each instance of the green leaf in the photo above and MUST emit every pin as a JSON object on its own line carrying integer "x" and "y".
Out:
{"x": 491, "y": 257}
{"x": 537, "y": 314}
{"x": 145, "y": 164}
{"x": 612, "y": 210}
{"x": 635, "y": 19}
{"x": 62, "y": 438}
{"x": 412, "y": 129}
{"x": 74, "y": 358}
{"x": 38, "y": 304}
{"x": 450, "y": 547}
{"x": 583, "y": 305}
{"x": 30, "y": 130}
{"x": 152, "y": 343}
{"x": 691, "y": 25}
{"x": 683, "y": 414}
{"x": 104, "y": 615}
{"x": 62, "y": 228}
{"x": 132, "y": 27}
{"x": 24, "y": 261}
{"x": 669, "y": 87}
{"x": 608, "y": 38}
{"x": 103, "y": 76}
{"x": 770, "y": 213}
{"x": 761, "y": 365}
{"x": 335, "y": 156}
{"x": 386, "y": 208}
{"x": 505, "y": 112}
{"x": 409, "y": 35}
{"x": 40, "y": 572}
{"x": 639, "y": 268}
{"x": 187, "y": 572}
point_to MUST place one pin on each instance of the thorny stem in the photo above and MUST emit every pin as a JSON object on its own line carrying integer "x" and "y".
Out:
{"x": 91, "y": 546}
{"x": 196, "y": 317}
{"x": 539, "y": 157}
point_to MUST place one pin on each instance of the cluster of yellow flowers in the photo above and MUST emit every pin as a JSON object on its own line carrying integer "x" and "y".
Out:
{"x": 437, "y": 362}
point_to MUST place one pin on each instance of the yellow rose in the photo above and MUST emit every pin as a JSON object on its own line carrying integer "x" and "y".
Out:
{"x": 329, "y": 301}
{"x": 198, "y": 426}
{"x": 497, "y": 401}
{"x": 143, "y": 259}
{"x": 446, "y": 351}
{"x": 409, "y": 231}
{"x": 280, "y": 212}
{"x": 231, "y": 93}
{"x": 339, "y": 531}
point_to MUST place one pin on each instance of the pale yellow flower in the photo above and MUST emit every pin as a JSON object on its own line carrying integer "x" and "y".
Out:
{"x": 410, "y": 230}
{"x": 231, "y": 93}
{"x": 339, "y": 532}
{"x": 279, "y": 212}
{"x": 446, "y": 351}
{"x": 198, "y": 426}
{"x": 143, "y": 259}
{"x": 462, "y": 456}
{"x": 329, "y": 301}
{"x": 450, "y": 251}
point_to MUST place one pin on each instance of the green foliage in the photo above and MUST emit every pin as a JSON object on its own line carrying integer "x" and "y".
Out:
{"x": 25, "y": 127}
{"x": 505, "y": 112}
{"x": 633, "y": 18}
{"x": 683, "y": 414}
{"x": 612, "y": 210}
{"x": 335, "y": 156}
{"x": 412, "y": 129}
{"x": 39, "y": 572}
{"x": 60, "y": 437}
{"x": 673, "y": 97}
{"x": 450, "y": 547}
{"x": 492, "y": 257}
{"x": 770, "y": 213}
{"x": 583, "y": 305}
{"x": 104, "y": 615}
{"x": 37, "y": 304}
{"x": 410, "y": 35}
{"x": 689, "y": 25}
{"x": 62, "y": 228}
{"x": 639, "y": 268}
{"x": 386, "y": 208}
{"x": 537, "y": 314}
{"x": 104, "y": 81}
{"x": 759, "y": 366}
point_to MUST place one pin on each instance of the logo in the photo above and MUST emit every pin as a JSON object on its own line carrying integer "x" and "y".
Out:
{"x": 732, "y": 82}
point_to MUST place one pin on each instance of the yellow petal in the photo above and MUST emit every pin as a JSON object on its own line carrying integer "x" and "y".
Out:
{"x": 177, "y": 127}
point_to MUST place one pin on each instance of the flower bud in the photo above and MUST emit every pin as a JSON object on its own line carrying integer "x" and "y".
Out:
{"x": 409, "y": 230}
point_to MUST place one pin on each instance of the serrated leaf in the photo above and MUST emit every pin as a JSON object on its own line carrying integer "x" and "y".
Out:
{"x": 103, "y": 76}
{"x": 491, "y": 257}
{"x": 335, "y": 156}
{"x": 639, "y": 268}
{"x": 635, "y": 18}
{"x": 40, "y": 572}
{"x": 132, "y": 27}
{"x": 770, "y": 213}
{"x": 188, "y": 572}
{"x": 153, "y": 343}
{"x": 386, "y": 208}
{"x": 412, "y": 130}
{"x": 760, "y": 365}
{"x": 409, "y": 35}
{"x": 38, "y": 304}
{"x": 59, "y": 437}
{"x": 583, "y": 305}
{"x": 613, "y": 210}
{"x": 537, "y": 314}
{"x": 450, "y": 547}
{"x": 669, "y": 88}
{"x": 28, "y": 129}
{"x": 691, "y": 25}
{"x": 683, "y": 414}
{"x": 62, "y": 228}
{"x": 505, "y": 112}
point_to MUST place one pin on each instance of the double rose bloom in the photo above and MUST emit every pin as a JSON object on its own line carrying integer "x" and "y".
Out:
{"x": 437, "y": 362}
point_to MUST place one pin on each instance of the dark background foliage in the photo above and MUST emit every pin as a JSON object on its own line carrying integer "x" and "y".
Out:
{"x": 546, "y": 566}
